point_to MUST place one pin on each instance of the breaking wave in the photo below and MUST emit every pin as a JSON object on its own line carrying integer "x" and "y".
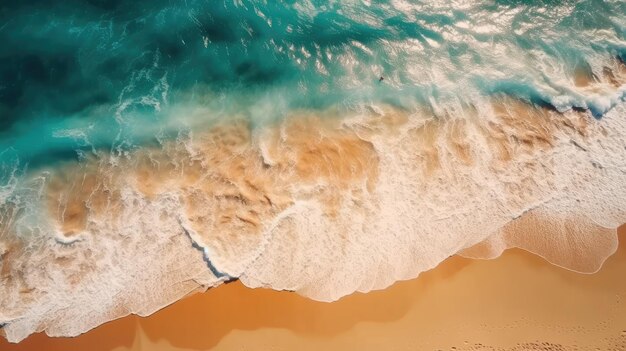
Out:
{"x": 156, "y": 150}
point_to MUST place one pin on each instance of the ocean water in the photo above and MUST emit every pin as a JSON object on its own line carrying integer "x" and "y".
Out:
{"x": 78, "y": 74}
{"x": 149, "y": 149}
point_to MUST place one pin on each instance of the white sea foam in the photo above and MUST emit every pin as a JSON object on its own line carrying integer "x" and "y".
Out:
{"x": 321, "y": 206}
{"x": 409, "y": 224}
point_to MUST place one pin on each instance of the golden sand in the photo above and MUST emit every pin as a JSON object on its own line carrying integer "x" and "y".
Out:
{"x": 515, "y": 302}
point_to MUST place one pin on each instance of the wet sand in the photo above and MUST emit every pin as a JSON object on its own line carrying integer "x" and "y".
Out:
{"x": 516, "y": 302}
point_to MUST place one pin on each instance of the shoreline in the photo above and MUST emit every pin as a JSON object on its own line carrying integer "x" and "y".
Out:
{"x": 458, "y": 304}
{"x": 302, "y": 206}
{"x": 464, "y": 163}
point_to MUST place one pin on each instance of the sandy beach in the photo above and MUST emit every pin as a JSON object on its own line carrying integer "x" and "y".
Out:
{"x": 515, "y": 302}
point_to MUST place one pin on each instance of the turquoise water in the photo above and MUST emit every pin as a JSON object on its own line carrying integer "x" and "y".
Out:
{"x": 78, "y": 76}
